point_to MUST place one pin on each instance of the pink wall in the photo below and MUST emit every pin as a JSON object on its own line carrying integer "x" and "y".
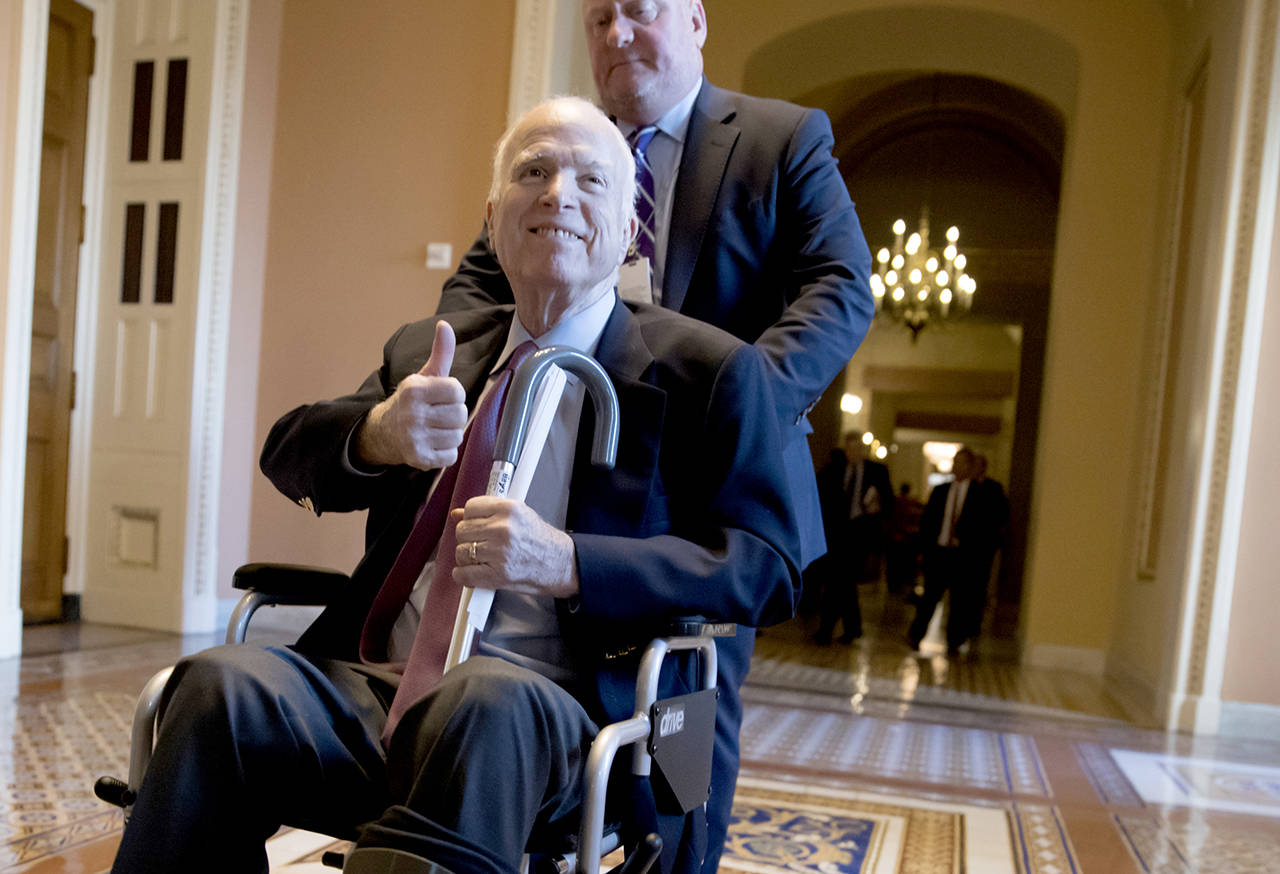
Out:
{"x": 385, "y": 119}
{"x": 1253, "y": 650}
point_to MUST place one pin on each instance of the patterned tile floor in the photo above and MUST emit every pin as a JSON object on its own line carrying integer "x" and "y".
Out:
{"x": 855, "y": 759}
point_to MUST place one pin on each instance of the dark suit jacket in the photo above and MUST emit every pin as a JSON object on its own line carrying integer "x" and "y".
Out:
{"x": 837, "y": 496}
{"x": 977, "y": 530}
{"x": 694, "y": 517}
{"x": 764, "y": 243}
{"x": 857, "y": 544}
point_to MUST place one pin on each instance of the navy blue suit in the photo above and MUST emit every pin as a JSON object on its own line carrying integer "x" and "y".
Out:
{"x": 692, "y": 519}
{"x": 764, "y": 243}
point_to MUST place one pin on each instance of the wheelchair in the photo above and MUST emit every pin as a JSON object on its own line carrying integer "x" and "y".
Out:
{"x": 675, "y": 733}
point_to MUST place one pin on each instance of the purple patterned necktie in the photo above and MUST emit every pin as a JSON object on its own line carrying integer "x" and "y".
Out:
{"x": 464, "y": 479}
{"x": 646, "y": 238}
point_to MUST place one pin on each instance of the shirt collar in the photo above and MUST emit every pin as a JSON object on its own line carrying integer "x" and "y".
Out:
{"x": 579, "y": 331}
{"x": 675, "y": 123}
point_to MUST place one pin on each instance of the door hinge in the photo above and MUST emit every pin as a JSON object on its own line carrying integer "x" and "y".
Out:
{"x": 81, "y": 240}
{"x": 93, "y": 54}
{"x": 66, "y": 554}
{"x": 72, "y": 403}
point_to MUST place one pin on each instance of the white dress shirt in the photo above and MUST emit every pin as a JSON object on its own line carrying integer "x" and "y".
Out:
{"x": 951, "y": 512}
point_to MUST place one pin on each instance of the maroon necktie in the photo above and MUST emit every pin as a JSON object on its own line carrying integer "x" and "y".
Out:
{"x": 464, "y": 479}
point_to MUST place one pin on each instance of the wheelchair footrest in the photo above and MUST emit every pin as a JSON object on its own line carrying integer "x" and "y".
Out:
{"x": 642, "y": 858}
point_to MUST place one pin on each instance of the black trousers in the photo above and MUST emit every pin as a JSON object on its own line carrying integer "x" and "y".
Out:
{"x": 251, "y": 738}
{"x": 849, "y": 550}
{"x": 958, "y": 571}
{"x": 838, "y": 571}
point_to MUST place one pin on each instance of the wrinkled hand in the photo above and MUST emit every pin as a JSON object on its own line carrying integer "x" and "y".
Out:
{"x": 516, "y": 549}
{"x": 421, "y": 423}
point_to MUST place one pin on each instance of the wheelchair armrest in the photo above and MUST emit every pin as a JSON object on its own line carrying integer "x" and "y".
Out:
{"x": 267, "y": 584}
{"x": 291, "y": 581}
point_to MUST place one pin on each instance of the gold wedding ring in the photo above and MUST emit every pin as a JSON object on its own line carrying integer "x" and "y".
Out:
{"x": 474, "y": 560}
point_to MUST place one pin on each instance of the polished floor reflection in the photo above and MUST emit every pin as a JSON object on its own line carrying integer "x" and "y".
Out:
{"x": 881, "y": 665}
{"x": 856, "y": 758}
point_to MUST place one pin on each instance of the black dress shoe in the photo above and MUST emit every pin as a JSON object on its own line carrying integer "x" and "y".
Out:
{"x": 850, "y": 638}
{"x": 822, "y": 640}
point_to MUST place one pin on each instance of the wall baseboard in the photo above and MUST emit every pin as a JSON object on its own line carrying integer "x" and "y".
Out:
{"x": 1080, "y": 659}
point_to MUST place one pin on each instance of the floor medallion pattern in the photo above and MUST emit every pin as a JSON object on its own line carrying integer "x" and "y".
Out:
{"x": 788, "y": 827}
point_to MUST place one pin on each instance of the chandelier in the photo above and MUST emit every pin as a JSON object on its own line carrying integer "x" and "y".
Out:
{"x": 914, "y": 284}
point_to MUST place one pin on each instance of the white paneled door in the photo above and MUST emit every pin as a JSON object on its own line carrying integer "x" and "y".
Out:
{"x": 156, "y": 243}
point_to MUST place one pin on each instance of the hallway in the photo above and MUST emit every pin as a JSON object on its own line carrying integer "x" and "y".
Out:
{"x": 857, "y": 758}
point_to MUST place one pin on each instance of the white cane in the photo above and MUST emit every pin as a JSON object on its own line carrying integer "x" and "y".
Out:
{"x": 526, "y": 418}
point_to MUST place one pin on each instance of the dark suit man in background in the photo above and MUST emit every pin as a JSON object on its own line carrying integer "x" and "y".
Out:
{"x": 996, "y": 510}
{"x": 957, "y": 532}
{"x": 857, "y": 501}
{"x": 753, "y": 231}
{"x": 694, "y": 518}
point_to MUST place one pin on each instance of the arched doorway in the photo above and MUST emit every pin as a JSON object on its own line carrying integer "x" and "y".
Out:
{"x": 986, "y": 157}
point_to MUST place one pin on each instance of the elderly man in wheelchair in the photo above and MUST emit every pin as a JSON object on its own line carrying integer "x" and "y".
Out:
{"x": 358, "y": 724}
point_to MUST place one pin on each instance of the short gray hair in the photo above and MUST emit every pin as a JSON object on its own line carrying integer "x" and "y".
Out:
{"x": 566, "y": 105}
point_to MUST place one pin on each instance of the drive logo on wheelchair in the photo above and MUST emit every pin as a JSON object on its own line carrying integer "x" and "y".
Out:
{"x": 672, "y": 722}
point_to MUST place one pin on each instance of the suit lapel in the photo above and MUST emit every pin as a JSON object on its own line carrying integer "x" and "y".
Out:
{"x": 604, "y": 501}
{"x": 708, "y": 144}
{"x": 478, "y": 345}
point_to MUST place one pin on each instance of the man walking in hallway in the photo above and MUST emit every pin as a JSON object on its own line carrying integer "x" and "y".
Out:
{"x": 956, "y": 532}
{"x": 857, "y": 498}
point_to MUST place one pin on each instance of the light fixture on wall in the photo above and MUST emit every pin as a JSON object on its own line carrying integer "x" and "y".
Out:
{"x": 914, "y": 284}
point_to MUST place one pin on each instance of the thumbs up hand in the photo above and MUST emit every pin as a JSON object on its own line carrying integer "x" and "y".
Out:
{"x": 442, "y": 347}
{"x": 421, "y": 423}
